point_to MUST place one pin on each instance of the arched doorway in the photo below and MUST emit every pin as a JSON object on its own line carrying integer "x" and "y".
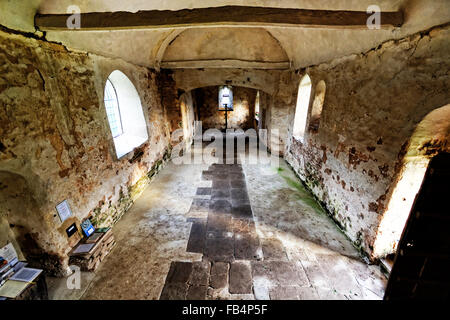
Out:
{"x": 422, "y": 261}
{"x": 431, "y": 137}
{"x": 416, "y": 203}
{"x": 23, "y": 224}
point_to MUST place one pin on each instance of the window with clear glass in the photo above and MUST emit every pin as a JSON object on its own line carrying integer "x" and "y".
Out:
{"x": 112, "y": 109}
{"x": 225, "y": 98}
{"x": 125, "y": 115}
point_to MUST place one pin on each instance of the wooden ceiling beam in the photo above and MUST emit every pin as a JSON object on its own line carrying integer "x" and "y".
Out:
{"x": 241, "y": 16}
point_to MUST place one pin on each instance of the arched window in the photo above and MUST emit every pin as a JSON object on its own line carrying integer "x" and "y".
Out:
{"x": 125, "y": 115}
{"x": 112, "y": 109}
{"x": 225, "y": 98}
{"x": 257, "y": 106}
{"x": 301, "y": 111}
{"x": 317, "y": 106}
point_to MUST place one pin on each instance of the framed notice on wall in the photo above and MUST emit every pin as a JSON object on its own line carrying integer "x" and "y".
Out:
{"x": 63, "y": 210}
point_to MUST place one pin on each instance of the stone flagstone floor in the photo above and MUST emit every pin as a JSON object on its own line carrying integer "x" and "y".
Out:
{"x": 237, "y": 231}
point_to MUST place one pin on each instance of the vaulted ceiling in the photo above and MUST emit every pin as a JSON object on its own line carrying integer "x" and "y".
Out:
{"x": 293, "y": 47}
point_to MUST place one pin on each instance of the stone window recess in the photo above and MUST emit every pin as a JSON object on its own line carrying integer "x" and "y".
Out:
{"x": 125, "y": 116}
{"x": 317, "y": 106}
{"x": 301, "y": 110}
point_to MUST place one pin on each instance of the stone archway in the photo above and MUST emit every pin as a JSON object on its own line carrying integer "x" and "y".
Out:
{"x": 224, "y": 47}
{"x": 431, "y": 136}
{"x": 23, "y": 224}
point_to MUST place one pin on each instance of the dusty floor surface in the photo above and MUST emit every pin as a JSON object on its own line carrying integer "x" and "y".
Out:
{"x": 239, "y": 231}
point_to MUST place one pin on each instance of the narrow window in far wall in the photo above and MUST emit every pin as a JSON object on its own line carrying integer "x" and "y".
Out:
{"x": 225, "y": 98}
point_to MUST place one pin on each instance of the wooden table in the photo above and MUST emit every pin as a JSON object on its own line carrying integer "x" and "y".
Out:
{"x": 35, "y": 291}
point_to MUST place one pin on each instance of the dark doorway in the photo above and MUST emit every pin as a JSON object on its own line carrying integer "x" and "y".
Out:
{"x": 422, "y": 263}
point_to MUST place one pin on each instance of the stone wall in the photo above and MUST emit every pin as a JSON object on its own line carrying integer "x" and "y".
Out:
{"x": 265, "y": 80}
{"x": 170, "y": 97}
{"x": 278, "y": 88}
{"x": 242, "y": 116}
{"x": 373, "y": 103}
{"x": 55, "y": 144}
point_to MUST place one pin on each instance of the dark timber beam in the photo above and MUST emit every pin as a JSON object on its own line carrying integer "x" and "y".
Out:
{"x": 241, "y": 16}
